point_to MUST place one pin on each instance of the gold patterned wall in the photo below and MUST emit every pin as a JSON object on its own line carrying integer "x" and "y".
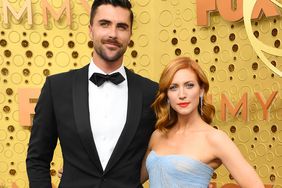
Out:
{"x": 246, "y": 91}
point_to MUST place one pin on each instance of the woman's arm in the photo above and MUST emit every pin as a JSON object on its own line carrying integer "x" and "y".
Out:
{"x": 233, "y": 160}
{"x": 144, "y": 174}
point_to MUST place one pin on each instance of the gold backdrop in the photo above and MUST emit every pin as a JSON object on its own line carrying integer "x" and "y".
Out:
{"x": 245, "y": 88}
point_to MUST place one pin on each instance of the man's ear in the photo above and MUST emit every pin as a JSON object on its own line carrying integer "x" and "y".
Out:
{"x": 90, "y": 32}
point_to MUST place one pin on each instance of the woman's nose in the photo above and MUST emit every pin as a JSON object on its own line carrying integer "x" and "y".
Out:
{"x": 181, "y": 94}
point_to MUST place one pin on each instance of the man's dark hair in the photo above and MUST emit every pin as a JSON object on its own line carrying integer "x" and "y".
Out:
{"x": 116, "y": 3}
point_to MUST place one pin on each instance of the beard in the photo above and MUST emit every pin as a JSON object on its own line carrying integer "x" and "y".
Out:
{"x": 103, "y": 52}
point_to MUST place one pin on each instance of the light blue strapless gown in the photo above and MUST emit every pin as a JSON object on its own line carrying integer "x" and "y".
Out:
{"x": 176, "y": 171}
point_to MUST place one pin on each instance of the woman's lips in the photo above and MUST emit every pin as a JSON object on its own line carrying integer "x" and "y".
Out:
{"x": 183, "y": 104}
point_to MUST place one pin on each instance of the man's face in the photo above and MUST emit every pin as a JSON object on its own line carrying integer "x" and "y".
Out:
{"x": 110, "y": 32}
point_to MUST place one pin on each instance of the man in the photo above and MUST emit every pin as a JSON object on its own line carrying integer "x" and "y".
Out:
{"x": 103, "y": 127}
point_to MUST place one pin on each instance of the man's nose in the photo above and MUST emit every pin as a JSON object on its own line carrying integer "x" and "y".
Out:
{"x": 113, "y": 32}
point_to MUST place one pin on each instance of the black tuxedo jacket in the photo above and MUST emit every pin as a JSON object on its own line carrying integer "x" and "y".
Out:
{"x": 62, "y": 112}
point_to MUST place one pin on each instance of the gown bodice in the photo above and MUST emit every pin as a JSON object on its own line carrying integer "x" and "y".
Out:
{"x": 177, "y": 171}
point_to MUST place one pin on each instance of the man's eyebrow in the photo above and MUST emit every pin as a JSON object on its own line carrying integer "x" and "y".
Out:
{"x": 123, "y": 24}
{"x": 104, "y": 20}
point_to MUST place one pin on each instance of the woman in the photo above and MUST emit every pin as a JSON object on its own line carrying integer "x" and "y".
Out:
{"x": 185, "y": 149}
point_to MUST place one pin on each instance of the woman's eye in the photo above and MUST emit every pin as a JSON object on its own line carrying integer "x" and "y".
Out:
{"x": 189, "y": 85}
{"x": 173, "y": 87}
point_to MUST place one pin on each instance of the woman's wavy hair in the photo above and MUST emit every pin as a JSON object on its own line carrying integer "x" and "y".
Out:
{"x": 166, "y": 116}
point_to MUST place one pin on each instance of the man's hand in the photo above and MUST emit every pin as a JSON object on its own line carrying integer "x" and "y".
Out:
{"x": 60, "y": 172}
{"x": 211, "y": 185}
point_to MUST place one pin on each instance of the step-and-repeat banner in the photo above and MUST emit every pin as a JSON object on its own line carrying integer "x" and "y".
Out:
{"x": 237, "y": 42}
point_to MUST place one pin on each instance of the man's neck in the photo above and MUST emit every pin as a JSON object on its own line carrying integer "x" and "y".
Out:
{"x": 105, "y": 66}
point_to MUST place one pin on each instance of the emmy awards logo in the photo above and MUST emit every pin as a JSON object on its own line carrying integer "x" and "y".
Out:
{"x": 259, "y": 47}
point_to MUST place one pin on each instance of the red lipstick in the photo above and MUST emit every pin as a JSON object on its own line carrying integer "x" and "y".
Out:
{"x": 183, "y": 104}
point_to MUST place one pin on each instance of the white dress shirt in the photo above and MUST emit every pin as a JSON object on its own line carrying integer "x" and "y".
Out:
{"x": 108, "y": 109}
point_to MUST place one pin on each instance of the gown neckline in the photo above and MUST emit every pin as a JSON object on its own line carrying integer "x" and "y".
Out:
{"x": 182, "y": 156}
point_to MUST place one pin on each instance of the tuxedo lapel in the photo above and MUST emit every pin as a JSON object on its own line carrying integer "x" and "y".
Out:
{"x": 81, "y": 114}
{"x": 133, "y": 117}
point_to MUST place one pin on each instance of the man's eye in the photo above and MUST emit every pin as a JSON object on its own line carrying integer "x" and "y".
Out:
{"x": 122, "y": 27}
{"x": 104, "y": 24}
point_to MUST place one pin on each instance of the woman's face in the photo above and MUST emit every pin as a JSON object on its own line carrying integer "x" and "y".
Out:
{"x": 184, "y": 92}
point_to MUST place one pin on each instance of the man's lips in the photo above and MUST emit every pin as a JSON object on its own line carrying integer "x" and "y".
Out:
{"x": 183, "y": 104}
{"x": 112, "y": 43}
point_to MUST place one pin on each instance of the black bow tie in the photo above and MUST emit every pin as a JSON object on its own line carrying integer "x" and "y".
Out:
{"x": 98, "y": 79}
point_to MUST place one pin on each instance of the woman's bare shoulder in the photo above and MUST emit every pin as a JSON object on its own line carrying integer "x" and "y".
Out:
{"x": 216, "y": 136}
{"x": 156, "y": 137}
{"x": 157, "y": 134}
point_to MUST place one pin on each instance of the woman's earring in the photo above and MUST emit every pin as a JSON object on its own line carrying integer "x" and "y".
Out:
{"x": 168, "y": 106}
{"x": 201, "y": 105}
